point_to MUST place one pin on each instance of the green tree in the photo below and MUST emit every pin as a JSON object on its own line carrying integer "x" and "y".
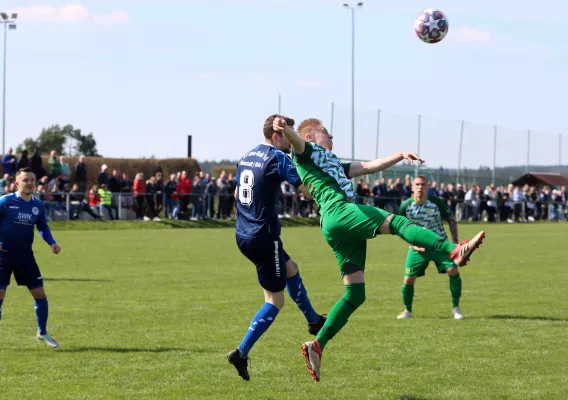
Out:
{"x": 64, "y": 140}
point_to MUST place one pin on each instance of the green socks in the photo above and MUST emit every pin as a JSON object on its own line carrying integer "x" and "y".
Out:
{"x": 456, "y": 289}
{"x": 341, "y": 311}
{"x": 419, "y": 236}
{"x": 407, "y": 296}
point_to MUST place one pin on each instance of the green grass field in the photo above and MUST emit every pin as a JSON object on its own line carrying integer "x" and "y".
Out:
{"x": 152, "y": 313}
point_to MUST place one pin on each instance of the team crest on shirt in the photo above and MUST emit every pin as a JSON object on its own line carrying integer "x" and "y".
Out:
{"x": 35, "y": 211}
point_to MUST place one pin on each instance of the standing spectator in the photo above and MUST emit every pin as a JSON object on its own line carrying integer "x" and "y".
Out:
{"x": 545, "y": 198}
{"x": 24, "y": 161}
{"x": 231, "y": 187}
{"x": 211, "y": 193}
{"x": 184, "y": 189}
{"x": 9, "y": 163}
{"x": 81, "y": 174}
{"x": 103, "y": 176}
{"x": 222, "y": 209}
{"x": 151, "y": 199}
{"x": 170, "y": 189}
{"x": 531, "y": 199}
{"x": 126, "y": 189}
{"x": 54, "y": 165}
{"x": 37, "y": 165}
{"x": 159, "y": 192}
{"x": 65, "y": 173}
{"x": 197, "y": 198}
{"x": 114, "y": 187}
{"x": 491, "y": 196}
{"x": 139, "y": 193}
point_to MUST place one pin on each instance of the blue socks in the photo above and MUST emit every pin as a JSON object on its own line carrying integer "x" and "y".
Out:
{"x": 41, "y": 315}
{"x": 1, "y": 301}
{"x": 259, "y": 324}
{"x": 298, "y": 293}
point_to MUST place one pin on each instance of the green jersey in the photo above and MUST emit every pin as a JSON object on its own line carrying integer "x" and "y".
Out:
{"x": 429, "y": 215}
{"x": 325, "y": 176}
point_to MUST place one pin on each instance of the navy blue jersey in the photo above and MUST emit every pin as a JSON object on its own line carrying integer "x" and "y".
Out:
{"x": 18, "y": 218}
{"x": 259, "y": 175}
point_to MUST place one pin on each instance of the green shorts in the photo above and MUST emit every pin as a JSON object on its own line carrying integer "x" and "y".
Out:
{"x": 347, "y": 227}
{"x": 417, "y": 262}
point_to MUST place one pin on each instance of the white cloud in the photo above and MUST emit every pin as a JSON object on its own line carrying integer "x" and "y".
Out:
{"x": 469, "y": 35}
{"x": 310, "y": 83}
{"x": 70, "y": 13}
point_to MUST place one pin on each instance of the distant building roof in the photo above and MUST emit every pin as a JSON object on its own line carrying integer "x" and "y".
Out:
{"x": 541, "y": 178}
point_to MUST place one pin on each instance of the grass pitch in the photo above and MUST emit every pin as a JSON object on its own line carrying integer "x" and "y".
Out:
{"x": 152, "y": 313}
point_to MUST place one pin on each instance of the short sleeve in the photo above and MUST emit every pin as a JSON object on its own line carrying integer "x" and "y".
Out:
{"x": 442, "y": 206}
{"x": 306, "y": 155}
{"x": 403, "y": 207}
{"x": 286, "y": 170}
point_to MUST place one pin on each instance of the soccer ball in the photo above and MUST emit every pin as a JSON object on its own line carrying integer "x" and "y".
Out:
{"x": 431, "y": 26}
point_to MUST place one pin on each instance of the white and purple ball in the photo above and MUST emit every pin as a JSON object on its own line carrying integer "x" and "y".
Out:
{"x": 431, "y": 26}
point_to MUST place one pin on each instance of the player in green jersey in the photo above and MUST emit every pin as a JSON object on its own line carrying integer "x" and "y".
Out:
{"x": 347, "y": 226}
{"x": 429, "y": 212}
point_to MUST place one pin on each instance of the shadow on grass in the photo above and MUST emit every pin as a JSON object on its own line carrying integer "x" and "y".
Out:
{"x": 408, "y": 397}
{"x": 527, "y": 317}
{"x": 120, "y": 350}
{"x": 76, "y": 280}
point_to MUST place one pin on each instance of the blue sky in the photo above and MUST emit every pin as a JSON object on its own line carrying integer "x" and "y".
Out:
{"x": 143, "y": 74}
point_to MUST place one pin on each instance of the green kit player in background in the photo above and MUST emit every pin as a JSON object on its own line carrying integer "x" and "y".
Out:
{"x": 429, "y": 212}
{"x": 347, "y": 226}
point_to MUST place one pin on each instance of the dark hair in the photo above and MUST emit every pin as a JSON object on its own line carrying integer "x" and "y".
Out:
{"x": 268, "y": 130}
{"x": 24, "y": 171}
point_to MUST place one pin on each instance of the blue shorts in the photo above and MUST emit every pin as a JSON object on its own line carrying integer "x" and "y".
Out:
{"x": 26, "y": 273}
{"x": 270, "y": 260}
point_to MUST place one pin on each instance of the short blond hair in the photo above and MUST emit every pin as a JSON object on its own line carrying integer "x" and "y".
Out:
{"x": 307, "y": 125}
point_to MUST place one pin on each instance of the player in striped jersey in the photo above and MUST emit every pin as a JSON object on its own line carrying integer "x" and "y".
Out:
{"x": 429, "y": 212}
{"x": 347, "y": 226}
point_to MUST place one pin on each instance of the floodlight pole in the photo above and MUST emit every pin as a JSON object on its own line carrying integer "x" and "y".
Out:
{"x": 8, "y": 23}
{"x": 353, "y": 8}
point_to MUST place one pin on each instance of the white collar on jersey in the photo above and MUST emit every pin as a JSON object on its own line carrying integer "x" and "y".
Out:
{"x": 18, "y": 195}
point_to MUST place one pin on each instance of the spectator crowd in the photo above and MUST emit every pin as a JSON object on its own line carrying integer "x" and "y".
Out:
{"x": 116, "y": 196}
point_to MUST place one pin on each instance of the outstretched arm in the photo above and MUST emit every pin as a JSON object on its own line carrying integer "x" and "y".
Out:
{"x": 359, "y": 168}
{"x": 297, "y": 142}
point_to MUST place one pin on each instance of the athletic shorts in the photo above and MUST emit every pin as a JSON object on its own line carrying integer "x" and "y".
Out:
{"x": 25, "y": 273}
{"x": 347, "y": 227}
{"x": 417, "y": 262}
{"x": 270, "y": 260}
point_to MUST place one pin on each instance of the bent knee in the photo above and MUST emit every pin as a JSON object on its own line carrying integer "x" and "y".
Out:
{"x": 452, "y": 271}
{"x": 409, "y": 280}
{"x": 291, "y": 268}
{"x": 356, "y": 296}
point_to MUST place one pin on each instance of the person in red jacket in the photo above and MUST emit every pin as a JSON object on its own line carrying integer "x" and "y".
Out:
{"x": 139, "y": 194}
{"x": 183, "y": 190}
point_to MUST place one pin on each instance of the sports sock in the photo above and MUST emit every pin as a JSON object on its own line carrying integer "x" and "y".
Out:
{"x": 419, "y": 236}
{"x": 407, "y": 296}
{"x": 298, "y": 293}
{"x": 1, "y": 301}
{"x": 341, "y": 311}
{"x": 41, "y": 310}
{"x": 259, "y": 324}
{"x": 456, "y": 289}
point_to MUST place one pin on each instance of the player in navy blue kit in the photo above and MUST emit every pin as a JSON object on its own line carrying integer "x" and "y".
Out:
{"x": 20, "y": 212}
{"x": 259, "y": 175}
